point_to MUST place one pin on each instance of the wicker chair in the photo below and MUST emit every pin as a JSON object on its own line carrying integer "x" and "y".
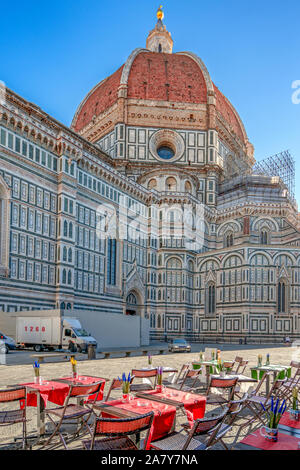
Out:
{"x": 73, "y": 412}
{"x": 118, "y": 431}
{"x": 143, "y": 374}
{"x": 10, "y": 417}
{"x": 226, "y": 385}
{"x": 206, "y": 428}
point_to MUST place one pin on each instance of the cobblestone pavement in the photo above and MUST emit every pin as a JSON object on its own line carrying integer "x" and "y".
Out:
{"x": 114, "y": 367}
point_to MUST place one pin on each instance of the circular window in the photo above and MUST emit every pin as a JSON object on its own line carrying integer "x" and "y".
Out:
{"x": 165, "y": 152}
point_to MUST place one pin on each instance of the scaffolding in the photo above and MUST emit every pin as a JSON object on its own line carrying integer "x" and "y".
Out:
{"x": 282, "y": 165}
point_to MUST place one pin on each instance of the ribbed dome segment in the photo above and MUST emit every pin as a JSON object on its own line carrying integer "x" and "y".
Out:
{"x": 102, "y": 97}
{"x": 166, "y": 77}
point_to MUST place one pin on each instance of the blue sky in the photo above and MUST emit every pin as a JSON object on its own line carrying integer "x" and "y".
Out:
{"x": 53, "y": 53}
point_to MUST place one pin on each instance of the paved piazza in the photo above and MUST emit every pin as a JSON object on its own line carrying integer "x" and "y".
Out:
{"x": 110, "y": 368}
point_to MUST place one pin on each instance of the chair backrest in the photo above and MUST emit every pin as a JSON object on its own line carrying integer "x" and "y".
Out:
{"x": 182, "y": 372}
{"x": 12, "y": 394}
{"x": 122, "y": 427}
{"x": 242, "y": 366}
{"x": 224, "y": 384}
{"x": 263, "y": 378}
{"x": 228, "y": 364}
{"x": 205, "y": 425}
{"x": 115, "y": 384}
{"x": 219, "y": 382}
{"x": 85, "y": 390}
{"x": 238, "y": 361}
{"x": 140, "y": 373}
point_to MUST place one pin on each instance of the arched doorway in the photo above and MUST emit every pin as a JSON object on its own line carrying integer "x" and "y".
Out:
{"x": 132, "y": 304}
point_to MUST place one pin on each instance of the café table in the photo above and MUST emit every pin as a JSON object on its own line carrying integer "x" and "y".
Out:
{"x": 279, "y": 373}
{"x": 255, "y": 441}
{"x": 193, "y": 404}
{"x": 55, "y": 391}
{"x": 289, "y": 426}
{"x": 164, "y": 414}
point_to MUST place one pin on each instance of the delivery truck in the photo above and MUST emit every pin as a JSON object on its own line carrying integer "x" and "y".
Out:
{"x": 46, "y": 329}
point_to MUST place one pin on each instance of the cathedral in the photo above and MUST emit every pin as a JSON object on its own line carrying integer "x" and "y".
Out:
{"x": 149, "y": 204}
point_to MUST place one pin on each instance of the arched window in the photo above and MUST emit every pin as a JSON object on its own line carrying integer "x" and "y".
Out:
{"x": 111, "y": 261}
{"x": 64, "y": 254}
{"x": 64, "y": 276}
{"x": 171, "y": 184}
{"x": 69, "y": 277}
{"x": 70, "y": 230}
{"x": 229, "y": 240}
{"x": 264, "y": 237}
{"x": 63, "y": 305}
{"x": 159, "y": 48}
{"x": 282, "y": 297}
{"x": 188, "y": 187}
{"x": 210, "y": 299}
{"x": 65, "y": 228}
{"x": 152, "y": 184}
{"x": 70, "y": 256}
{"x": 158, "y": 321}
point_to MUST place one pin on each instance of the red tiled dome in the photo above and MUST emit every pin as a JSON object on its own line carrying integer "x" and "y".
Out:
{"x": 102, "y": 97}
{"x": 166, "y": 77}
{"x": 161, "y": 77}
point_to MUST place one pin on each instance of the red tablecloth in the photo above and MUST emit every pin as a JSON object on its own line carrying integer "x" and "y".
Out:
{"x": 285, "y": 442}
{"x": 164, "y": 415}
{"x": 55, "y": 392}
{"x": 289, "y": 426}
{"x": 194, "y": 405}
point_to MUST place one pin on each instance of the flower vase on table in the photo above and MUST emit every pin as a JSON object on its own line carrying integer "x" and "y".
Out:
{"x": 259, "y": 360}
{"x": 149, "y": 360}
{"x": 159, "y": 380}
{"x": 74, "y": 369}
{"x": 37, "y": 377}
{"x": 294, "y": 412}
{"x": 126, "y": 387}
{"x": 270, "y": 431}
{"x": 268, "y": 360}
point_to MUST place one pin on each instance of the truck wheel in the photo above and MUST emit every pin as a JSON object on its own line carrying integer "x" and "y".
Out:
{"x": 72, "y": 347}
{"x": 38, "y": 348}
{"x": 4, "y": 349}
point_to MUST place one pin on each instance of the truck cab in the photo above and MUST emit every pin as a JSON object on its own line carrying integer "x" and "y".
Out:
{"x": 74, "y": 337}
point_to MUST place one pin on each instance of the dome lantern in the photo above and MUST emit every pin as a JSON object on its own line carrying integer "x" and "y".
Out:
{"x": 159, "y": 39}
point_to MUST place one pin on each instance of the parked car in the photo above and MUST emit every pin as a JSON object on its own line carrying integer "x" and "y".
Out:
{"x": 6, "y": 343}
{"x": 178, "y": 344}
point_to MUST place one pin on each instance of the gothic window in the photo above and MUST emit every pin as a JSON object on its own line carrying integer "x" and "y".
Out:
{"x": 111, "y": 261}
{"x": 65, "y": 228}
{"x": 159, "y": 48}
{"x": 229, "y": 240}
{"x": 210, "y": 299}
{"x": 64, "y": 276}
{"x": 264, "y": 237}
{"x": 64, "y": 254}
{"x": 70, "y": 255}
{"x": 282, "y": 297}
